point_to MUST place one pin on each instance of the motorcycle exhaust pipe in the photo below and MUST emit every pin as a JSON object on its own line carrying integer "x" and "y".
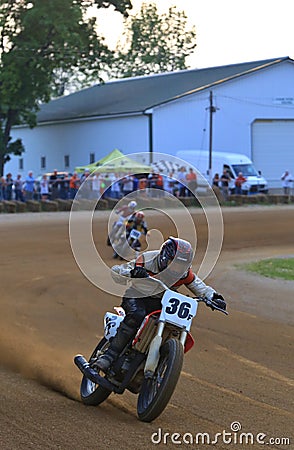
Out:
{"x": 85, "y": 368}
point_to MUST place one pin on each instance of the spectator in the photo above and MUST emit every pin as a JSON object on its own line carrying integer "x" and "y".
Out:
{"x": 74, "y": 184}
{"x": 216, "y": 180}
{"x": 287, "y": 182}
{"x": 135, "y": 183}
{"x": 172, "y": 182}
{"x": 18, "y": 189}
{"x": 238, "y": 183}
{"x": 85, "y": 175}
{"x": 54, "y": 185}
{"x": 96, "y": 186}
{"x": 191, "y": 178}
{"x": 63, "y": 186}
{"x": 105, "y": 186}
{"x": 44, "y": 188}
{"x": 142, "y": 185}
{"x": 182, "y": 181}
{"x": 104, "y": 190}
{"x": 127, "y": 184}
{"x": 225, "y": 180}
{"x": 108, "y": 178}
{"x": 29, "y": 186}
{"x": 152, "y": 183}
{"x": 116, "y": 187}
{"x": 159, "y": 184}
{"x": 2, "y": 188}
{"x": 155, "y": 183}
{"x": 9, "y": 185}
{"x": 166, "y": 184}
{"x": 86, "y": 190}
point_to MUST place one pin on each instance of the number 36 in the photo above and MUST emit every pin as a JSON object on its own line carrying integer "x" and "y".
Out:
{"x": 182, "y": 311}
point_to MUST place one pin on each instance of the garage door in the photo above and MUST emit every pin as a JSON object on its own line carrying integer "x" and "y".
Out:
{"x": 273, "y": 148}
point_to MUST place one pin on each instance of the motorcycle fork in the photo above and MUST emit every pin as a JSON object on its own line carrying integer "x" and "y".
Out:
{"x": 183, "y": 337}
{"x": 154, "y": 350}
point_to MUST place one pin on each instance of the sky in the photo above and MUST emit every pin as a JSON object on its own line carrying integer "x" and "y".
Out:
{"x": 227, "y": 31}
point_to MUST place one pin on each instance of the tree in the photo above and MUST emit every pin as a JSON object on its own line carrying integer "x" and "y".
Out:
{"x": 153, "y": 43}
{"x": 38, "y": 40}
{"x": 121, "y": 6}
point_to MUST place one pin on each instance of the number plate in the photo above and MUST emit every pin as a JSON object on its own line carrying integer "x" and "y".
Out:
{"x": 178, "y": 309}
{"x": 111, "y": 324}
{"x": 135, "y": 234}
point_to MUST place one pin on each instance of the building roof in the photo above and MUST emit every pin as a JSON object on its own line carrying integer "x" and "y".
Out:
{"x": 139, "y": 94}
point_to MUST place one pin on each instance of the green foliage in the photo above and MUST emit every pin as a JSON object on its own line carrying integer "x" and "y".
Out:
{"x": 273, "y": 268}
{"x": 121, "y": 6}
{"x": 42, "y": 44}
{"x": 153, "y": 43}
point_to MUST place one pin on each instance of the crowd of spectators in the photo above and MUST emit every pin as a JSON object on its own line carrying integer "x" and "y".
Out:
{"x": 223, "y": 182}
{"x": 62, "y": 185}
{"x": 114, "y": 185}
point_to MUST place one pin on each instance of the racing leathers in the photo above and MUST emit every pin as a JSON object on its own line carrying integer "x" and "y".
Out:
{"x": 121, "y": 274}
{"x": 139, "y": 299}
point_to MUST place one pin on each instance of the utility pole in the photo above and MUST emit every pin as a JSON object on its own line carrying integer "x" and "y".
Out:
{"x": 212, "y": 109}
{"x": 150, "y": 121}
{"x": 149, "y": 114}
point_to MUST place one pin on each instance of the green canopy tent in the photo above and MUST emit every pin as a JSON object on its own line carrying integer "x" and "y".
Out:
{"x": 115, "y": 162}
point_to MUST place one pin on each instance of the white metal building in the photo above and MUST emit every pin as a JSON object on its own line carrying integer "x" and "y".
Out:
{"x": 254, "y": 115}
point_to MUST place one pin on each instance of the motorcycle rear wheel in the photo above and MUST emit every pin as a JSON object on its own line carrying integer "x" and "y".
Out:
{"x": 93, "y": 394}
{"x": 157, "y": 391}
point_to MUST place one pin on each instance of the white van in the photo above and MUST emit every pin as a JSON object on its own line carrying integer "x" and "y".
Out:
{"x": 233, "y": 162}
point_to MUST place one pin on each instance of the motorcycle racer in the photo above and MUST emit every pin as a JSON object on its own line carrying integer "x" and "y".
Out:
{"x": 125, "y": 212}
{"x": 172, "y": 264}
{"x": 135, "y": 222}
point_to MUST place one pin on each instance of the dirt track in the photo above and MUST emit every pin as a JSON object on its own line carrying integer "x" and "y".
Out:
{"x": 239, "y": 370}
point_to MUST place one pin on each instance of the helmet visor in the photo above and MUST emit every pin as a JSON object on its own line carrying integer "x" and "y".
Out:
{"x": 176, "y": 269}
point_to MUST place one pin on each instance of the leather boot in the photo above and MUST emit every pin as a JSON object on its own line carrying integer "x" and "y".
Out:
{"x": 117, "y": 344}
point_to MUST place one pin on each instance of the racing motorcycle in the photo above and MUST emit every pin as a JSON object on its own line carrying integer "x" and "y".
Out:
{"x": 130, "y": 246}
{"x": 151, "y": 363}
{"x": 116, "y": 233}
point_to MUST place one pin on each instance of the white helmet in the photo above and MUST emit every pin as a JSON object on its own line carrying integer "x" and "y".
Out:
{"x": 132, "y": 204}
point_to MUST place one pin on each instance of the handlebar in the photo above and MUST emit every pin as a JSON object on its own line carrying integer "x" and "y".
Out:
{"x": 212, "y": 305}
{"x": 208, "y": 303}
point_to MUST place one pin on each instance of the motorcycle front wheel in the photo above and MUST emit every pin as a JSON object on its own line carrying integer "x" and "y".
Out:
{"x": 91, "y": 393}
{"x": 156, "y": 391}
